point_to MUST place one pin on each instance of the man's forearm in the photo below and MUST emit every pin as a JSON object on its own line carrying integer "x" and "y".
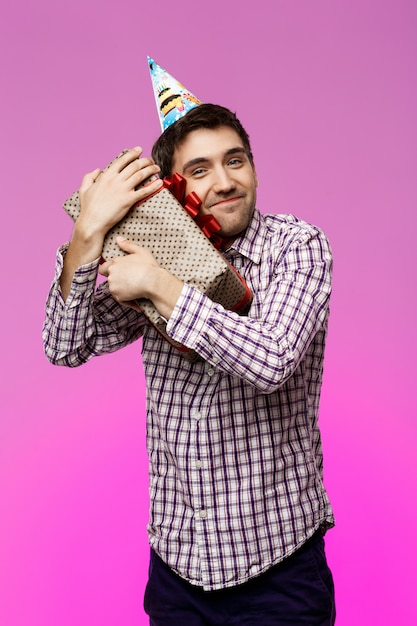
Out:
{"x": 82, "y": 250}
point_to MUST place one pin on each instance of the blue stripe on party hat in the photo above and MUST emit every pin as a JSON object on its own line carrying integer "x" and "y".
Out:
{"x": 172, "y": 99}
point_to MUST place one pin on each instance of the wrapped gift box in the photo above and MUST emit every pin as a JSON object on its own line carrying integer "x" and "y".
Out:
{"x": 179, "y": 239}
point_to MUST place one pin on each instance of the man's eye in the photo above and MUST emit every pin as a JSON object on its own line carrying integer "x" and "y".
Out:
{"x": 198, "y": 172}
{"x": 235, "y": 162}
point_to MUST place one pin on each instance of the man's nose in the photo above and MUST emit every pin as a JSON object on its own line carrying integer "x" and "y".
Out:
{"x": 223, "y": 182}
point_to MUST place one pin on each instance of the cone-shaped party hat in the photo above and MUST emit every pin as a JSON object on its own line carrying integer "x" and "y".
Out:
{"x": 172, "y": 99}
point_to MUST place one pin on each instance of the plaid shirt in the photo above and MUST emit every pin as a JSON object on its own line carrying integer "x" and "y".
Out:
{"x": 233, "y": 441}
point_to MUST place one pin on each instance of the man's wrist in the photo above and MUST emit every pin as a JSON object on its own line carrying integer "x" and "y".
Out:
{"x": 87, "y": 242}
{"x": 88, "y": 234}
{"x": 164, "y": 289}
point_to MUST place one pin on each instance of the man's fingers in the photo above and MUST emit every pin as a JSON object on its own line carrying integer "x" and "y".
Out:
{"x": 104, "y": 269}
{"x": 89, "y": 179}
{"x": 127, "y": 246}
{"x": 124, "y": 160}
{"x": 139, "y": 170}
{"x": 130, "y": 168}
{"x": 124, "y": 244}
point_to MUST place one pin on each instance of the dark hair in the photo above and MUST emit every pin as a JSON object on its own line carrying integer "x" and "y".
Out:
{"x": 202, "y": 116}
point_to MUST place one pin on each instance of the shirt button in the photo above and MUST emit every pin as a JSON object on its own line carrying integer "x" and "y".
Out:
{"x": 210, "y": 371}
{"x": 196, "y": 415}
{"x": 203, "y": 514}
{"x": 199, "y": 464}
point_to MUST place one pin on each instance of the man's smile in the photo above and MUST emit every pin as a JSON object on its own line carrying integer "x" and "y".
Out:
{"x": 223, "y": 202}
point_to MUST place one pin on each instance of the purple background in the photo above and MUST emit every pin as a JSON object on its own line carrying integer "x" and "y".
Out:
{"x": 327, "y": 90}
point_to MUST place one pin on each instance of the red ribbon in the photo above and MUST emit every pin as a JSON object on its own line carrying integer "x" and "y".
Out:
{"x": 192, "y": 205}
{"x": 176, "y": 184}
{"x": 208, "y": 224}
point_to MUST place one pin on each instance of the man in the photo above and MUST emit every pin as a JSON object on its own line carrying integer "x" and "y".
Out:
{"x": 237, "y": 505}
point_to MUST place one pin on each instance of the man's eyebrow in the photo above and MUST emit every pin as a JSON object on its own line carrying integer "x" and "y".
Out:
{"x": 193, "y": 162}
{"x": 237, "y": 150}
{"x": 201, "y": 160}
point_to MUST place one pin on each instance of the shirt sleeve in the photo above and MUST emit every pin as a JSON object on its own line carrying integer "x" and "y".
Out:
{"x": 90, "y": 322}
{"x": 265, "y": 347}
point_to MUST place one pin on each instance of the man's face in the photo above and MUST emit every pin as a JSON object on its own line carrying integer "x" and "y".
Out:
{"x": 216, "y": 167}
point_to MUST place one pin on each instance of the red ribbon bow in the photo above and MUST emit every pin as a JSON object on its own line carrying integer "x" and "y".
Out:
{"x": 176, "y": 184}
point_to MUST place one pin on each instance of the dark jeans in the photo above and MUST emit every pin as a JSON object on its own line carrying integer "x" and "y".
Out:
{"x": 297, "y": 592}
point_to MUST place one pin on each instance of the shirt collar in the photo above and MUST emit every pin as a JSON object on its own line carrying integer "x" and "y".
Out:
{"x": 251, "y": 243}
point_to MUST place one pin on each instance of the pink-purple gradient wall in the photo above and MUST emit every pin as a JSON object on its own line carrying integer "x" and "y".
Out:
{"x": 328, "y": 92}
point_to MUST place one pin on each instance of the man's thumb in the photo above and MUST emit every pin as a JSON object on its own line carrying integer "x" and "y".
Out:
{"x": 126, "y": 245}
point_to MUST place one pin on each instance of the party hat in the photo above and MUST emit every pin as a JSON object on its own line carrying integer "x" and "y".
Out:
{"x": 172, "y": 99}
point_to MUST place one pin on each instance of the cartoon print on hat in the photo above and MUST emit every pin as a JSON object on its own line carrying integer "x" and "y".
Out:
{"x": 172, "y": 99}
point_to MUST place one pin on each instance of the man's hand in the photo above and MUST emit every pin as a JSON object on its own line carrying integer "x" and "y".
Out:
{"x": 105, "y": 198}
{"x": 138, "y": 275}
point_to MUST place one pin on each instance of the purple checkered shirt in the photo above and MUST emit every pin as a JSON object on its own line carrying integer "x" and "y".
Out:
{"x": 234, "y": 446}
